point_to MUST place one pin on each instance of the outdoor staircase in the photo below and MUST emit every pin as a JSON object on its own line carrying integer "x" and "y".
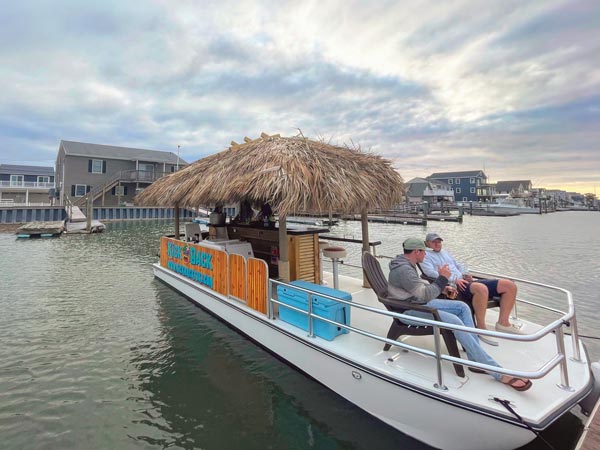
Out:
{"x": 99, "y": 191}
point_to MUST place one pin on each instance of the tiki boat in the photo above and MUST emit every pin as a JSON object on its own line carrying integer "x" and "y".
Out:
{"x": 267, "y": 282}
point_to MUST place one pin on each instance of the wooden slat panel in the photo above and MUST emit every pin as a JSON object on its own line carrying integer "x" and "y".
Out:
{"x": 258, "y": 275}
{"x": 237, "y": 276}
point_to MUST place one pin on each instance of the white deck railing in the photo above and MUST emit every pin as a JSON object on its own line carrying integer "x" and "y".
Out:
{"x": 26, "y": 184}
{"x": 556, "y": 327}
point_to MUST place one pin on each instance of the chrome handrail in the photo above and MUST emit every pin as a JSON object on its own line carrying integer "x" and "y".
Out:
{"x": 555, "y": 326}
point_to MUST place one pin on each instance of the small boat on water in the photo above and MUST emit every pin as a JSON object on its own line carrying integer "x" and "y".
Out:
{"x": 267, "y": 283}
{"x": 510, "y": 205}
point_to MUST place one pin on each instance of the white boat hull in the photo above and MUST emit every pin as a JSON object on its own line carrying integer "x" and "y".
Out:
{"x": 411, "y": 411}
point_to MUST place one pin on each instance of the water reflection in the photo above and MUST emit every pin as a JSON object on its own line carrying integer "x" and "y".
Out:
{"x": 207, "y": 386}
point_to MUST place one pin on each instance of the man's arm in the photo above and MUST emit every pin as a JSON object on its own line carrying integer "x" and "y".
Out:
{"x": 408, "y": 279}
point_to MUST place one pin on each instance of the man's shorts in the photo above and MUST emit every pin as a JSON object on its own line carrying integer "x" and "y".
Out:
{"x": 492, "y": 286}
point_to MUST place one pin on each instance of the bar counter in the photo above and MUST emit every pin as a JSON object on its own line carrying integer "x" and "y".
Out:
{"x": 303, "y": 248}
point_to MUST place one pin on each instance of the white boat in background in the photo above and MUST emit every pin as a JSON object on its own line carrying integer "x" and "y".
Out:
{"x": 510, "y": 205}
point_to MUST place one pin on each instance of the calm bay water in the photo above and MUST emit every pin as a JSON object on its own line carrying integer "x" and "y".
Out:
{"x": 96, "y": 353}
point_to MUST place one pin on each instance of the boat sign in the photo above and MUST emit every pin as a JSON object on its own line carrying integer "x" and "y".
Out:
{"x": 204, "y": 265}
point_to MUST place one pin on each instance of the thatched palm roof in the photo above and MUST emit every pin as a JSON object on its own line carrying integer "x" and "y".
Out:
{"x": 293, "y": 174}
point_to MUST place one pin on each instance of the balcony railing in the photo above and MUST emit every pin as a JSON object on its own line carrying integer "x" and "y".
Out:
{"x": 438, "y": 193}
{"x": 26, "y": 184}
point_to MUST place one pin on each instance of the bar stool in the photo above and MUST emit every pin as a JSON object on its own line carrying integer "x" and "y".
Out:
{"x": 335, "y": 253}
{"x": 322, "y": 246}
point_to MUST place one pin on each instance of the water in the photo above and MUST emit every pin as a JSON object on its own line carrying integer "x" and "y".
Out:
{"x": 96, "y": 353}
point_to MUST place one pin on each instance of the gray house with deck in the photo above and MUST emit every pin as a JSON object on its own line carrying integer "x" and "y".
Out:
{"x": 111, "y": 175}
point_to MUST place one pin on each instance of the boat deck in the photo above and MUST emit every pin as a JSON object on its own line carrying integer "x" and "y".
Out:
{"x": 475, "y": 389}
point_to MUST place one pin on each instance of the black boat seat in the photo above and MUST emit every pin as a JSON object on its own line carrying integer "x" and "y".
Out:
{"x": 379, "y": 284}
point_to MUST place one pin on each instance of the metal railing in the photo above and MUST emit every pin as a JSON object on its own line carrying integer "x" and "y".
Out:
{"x": 556, "y": 326}
{"x": 123, "y": 176}
{"x": 26, "y": 184}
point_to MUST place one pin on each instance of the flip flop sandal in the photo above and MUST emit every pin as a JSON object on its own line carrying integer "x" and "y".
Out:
{"x": 515, "y": 380}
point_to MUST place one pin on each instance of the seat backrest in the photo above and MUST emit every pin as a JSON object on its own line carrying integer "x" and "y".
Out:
{"x": 374, "y": 274}
{"x": 192, "y": 230}
{"x": 423, "y": 275}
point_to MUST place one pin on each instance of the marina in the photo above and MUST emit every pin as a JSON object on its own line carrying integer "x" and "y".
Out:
{"x": 142, "y": 345}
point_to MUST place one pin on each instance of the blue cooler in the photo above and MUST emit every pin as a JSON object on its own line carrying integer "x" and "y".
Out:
{"x": 324, "y": 307}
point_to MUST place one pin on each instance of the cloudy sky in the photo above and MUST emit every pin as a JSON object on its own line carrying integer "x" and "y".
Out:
{"x": 509, "y": 86}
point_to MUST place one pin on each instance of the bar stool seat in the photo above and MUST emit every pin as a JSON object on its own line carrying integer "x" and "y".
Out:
{"x": 335, "y": 253}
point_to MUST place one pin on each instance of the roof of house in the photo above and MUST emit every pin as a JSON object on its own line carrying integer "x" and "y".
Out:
{"x": 418, "y": 180}
{"x": 462, "y": 174}
{"x": 14, "y": 169}
{"x": 113, "y": 152}
{"x": 507, "y": 186}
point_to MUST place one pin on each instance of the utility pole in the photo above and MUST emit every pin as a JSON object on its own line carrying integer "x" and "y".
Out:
{"x": 178, "y": 157}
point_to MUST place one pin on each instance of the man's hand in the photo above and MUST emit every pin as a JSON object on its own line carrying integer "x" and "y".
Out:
{"x": 462, "y": 284}
{"x": 468, "y": 277}
{"x": 444, "y": 271}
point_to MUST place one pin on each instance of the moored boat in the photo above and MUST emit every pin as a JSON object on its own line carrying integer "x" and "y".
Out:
{"x": 336, "y": 336}
{"x": 511, "y": 205}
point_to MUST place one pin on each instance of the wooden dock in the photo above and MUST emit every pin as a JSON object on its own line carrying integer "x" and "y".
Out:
{"x": 40, "y": 229}
{"x": 406, "y": 219}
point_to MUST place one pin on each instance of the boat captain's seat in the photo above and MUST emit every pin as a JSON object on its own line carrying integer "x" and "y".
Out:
{"x": 193, "y": 232}
{"x": 493, "y": 302}
{"x": 379, "y": 284}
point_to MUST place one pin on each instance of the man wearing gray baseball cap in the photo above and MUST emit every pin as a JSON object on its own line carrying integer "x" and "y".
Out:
{"x": 477, "y": 291}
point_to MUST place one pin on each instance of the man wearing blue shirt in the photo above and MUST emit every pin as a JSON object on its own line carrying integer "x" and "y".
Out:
{"x": 477, "y": 291}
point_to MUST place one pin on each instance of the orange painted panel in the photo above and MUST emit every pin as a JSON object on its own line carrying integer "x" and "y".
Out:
{"x": 204, "y": 265}
{"x": 258, "y": 275}
{"x": 237, "y": 276}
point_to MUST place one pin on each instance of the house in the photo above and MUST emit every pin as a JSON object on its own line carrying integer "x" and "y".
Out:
{"x": 431, "y": 191}
{"x": 464, "y": 184}
{"x": 113, "y": 175}
{"x": 515, "y": 188}
{"x": 26, "y": 185}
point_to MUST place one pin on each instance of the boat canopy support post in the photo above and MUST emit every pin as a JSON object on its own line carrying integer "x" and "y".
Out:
{"x": 284, "y": 263}
{"x": 364, "y": 220}
{"x": 176, "y": 211}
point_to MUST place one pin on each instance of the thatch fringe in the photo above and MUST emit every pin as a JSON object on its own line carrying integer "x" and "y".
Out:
{"x": 293, "y": 174}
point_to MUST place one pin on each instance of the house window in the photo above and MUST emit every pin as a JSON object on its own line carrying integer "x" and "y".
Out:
{"x": 472, "y": 190}
{"x": 472, "y": 180}
{"x": 457, "y": 190}
{"x": 43, "y": 179}
{"x": 457, "y": 181}
{"x": 96, "y": 166}
{"x": 80, "y": 190}
{"x": 465, "y": 199}
{"x": 16, "y": 180}
{"x": 450, "y": 181}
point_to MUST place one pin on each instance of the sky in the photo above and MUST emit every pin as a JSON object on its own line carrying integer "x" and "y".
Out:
{"x": 510, "y": 87}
